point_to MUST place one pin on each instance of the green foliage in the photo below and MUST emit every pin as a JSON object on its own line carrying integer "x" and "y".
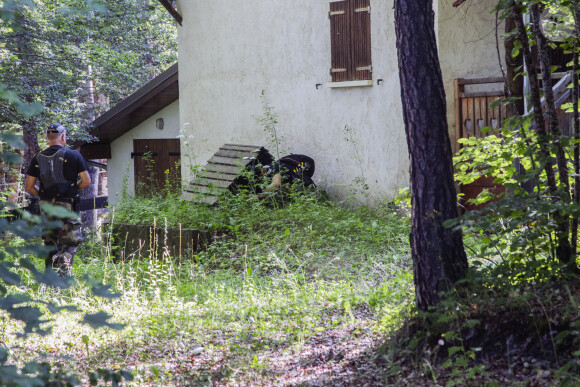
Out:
{"x": 17, "y": 273}
{"x": 499, "y": 311}
{"x": 544, "y": 197}
{"x": 59, "y": 56}
{"x": 520, "y": 222}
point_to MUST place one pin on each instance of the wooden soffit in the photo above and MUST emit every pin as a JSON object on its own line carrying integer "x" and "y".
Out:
{"x": 133, "y": 110}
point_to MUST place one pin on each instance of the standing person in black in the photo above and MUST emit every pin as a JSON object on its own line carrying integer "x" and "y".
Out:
{"x": 61, "y": 174}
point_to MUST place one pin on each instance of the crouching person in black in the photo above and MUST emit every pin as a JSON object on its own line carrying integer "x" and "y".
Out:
{"x": 292, "y": 170}
{"x": 61, "y": 174}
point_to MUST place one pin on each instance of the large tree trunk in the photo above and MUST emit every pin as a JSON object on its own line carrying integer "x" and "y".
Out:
{"x": 439, "y": 258}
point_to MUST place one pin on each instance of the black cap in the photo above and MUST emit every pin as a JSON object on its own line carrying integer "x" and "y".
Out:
{"x": 55, "y": 128}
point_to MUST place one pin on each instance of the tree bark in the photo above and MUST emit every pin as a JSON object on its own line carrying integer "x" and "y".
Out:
{"x": 554, "y": 126}
{"x": 575, "y": 96}
{"x": 514, "y": 83}
{"x": 30, "y": 138}
{"x": 576, "y": 189}
{"x": 87, "y": 97}
{"x": 88, "y": 217}
{"x": 535, "y": 97}
{"x": 564, "y": 250}
{"x": 439, "y": 258}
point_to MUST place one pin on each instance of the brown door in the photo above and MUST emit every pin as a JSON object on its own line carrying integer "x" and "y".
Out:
{"x": 156, "y": 165}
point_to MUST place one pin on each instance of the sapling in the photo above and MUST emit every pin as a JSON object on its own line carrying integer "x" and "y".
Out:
{"x": 269, "y": 121}
{"x": 350, "y": 136}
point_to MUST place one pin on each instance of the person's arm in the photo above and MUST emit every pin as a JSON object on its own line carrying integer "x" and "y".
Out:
{"x": 276, "y": 183}
{"x": 85, "y": 180}
{"x": 30, "y": 185}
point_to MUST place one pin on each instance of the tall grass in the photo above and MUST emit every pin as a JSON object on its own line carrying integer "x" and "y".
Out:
{"x": 275, "y": 277}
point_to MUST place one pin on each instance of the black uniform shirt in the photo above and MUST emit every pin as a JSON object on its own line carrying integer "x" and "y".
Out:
{"x": 73, "y": 165}
{"x": 294, "y": 168}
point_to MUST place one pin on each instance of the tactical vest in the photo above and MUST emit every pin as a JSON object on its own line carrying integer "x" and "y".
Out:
{"x": 52, "y": 174}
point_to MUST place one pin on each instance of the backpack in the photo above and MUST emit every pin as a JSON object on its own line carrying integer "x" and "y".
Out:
{"x": 52, "y": 179}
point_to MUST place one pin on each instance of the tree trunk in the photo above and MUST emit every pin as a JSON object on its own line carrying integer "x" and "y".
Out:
{"x": 575, "y": 96}
{"x": 30, "y": 138}
{"x": 576, "y": 189}
{"x": 514, "y": 83}
{"x": 564, "y": 250}
{"x": 87, "y": 97}
{"x": 554, "y": 125}
{"x": 439, "y": 258}
{"x": 544, "y": 153}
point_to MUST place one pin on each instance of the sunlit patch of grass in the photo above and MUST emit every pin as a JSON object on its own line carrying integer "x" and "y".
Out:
{"x": 295, "y": 277}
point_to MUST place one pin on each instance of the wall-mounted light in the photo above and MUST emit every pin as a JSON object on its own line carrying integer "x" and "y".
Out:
{"x": 159, "y": 123}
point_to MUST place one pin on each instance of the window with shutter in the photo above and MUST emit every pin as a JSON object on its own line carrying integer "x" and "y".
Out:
{"x": 350, "y": 40}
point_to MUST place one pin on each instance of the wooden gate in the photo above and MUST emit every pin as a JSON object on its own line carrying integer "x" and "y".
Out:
{"x": 473, "y": 107}
{"x": 156, "y": 164}
{"x": 473, "y": 112}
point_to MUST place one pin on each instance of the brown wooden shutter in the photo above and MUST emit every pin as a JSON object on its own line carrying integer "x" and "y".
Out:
{"x": 340, "y": 41}
{"x": 361, "y": 40}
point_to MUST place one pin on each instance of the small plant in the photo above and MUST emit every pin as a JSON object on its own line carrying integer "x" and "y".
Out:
{"x": 269, "y": 122}
{"x": 350, "y": 136}
{"x": 125, "y": 184}
{"x": 461, "y": 359}
{"x": 195, "y": 169}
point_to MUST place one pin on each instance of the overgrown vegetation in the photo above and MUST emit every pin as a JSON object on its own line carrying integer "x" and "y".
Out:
{"x": 305, "y": 286}
{"x": 278, "y": 279}
{"x": 274, "y": 280}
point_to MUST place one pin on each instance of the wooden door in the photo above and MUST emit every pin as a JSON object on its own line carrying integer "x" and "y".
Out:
{"x": 157, "y": 166}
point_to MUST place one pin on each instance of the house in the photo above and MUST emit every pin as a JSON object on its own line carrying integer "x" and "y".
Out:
{"x": 321, "y": 66}
{"x": 139, "y": 138}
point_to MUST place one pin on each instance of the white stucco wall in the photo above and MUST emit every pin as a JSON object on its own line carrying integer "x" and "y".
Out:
{"x": 120, "y": 167}
{"x": 230, "y": 51}
{"x": 467, "y": 46}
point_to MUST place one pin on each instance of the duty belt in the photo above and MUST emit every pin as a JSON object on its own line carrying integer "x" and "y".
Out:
{"x": 60, "y": 200}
